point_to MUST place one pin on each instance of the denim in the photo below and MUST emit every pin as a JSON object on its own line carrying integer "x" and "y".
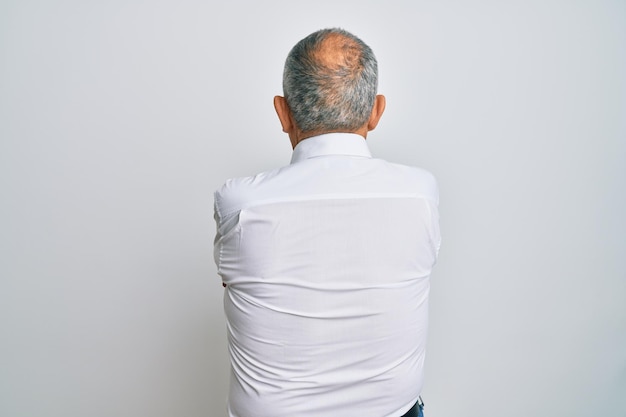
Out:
{"x": 417, "y": 410}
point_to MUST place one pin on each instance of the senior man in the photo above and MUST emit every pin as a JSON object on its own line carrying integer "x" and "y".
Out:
{"x": 326, "y": 261}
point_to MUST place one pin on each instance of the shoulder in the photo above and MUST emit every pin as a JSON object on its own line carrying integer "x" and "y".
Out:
{"x": 237, "y": 193}
{"x": 417, "y": 180}
{"x": 415, "y": 173}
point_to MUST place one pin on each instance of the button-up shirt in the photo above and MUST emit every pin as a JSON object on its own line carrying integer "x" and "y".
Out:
{"x": 327, "y": 263}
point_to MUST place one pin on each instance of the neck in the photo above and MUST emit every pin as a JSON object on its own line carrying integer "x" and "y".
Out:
{"x": 298, "y": 136}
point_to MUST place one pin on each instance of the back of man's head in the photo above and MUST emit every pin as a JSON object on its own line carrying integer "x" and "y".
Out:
{"x": 330, "y": 82}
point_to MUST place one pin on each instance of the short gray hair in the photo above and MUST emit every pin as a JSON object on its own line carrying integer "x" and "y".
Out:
{"x": 330, "y": 94}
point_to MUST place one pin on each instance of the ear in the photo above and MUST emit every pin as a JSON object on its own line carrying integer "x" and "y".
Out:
{"x": 284, "y": 114}
{"x": 377, "y": 112}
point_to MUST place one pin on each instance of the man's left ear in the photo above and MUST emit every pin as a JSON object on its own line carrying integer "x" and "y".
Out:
{"x": 377, "y": 112}
{"x": 284, "y": 114}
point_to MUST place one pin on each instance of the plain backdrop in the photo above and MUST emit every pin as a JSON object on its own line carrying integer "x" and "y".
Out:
{"x": 118, "y": 119}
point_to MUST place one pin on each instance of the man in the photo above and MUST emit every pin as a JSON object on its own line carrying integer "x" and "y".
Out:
{"x": 326, "y": 261}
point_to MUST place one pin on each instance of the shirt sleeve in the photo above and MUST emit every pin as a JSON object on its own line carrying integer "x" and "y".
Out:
{"x": 433, "y": 206}
{"x": 435, "y": 233}
{"x": 225, "y": 221}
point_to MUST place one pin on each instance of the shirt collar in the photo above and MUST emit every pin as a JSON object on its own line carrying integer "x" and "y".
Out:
{"x": 331, "y": 144}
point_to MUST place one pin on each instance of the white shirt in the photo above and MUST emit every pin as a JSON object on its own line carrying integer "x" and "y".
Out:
{"x": 327, "y": 264}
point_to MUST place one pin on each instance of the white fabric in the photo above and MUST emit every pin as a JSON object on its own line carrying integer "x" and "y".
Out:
{"x": 327, "y": 264}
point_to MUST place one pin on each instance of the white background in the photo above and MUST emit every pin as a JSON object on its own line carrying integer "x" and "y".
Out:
{"x": 118, "y": 119}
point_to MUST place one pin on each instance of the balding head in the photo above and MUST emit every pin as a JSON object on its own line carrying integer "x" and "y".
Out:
{"x": 330, "y": 82}
{"x": 336, "y": 51}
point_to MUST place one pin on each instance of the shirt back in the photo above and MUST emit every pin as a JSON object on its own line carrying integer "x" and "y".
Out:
{"x": 327, "y": 265}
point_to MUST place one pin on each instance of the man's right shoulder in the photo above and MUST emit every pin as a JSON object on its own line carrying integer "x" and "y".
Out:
{"x": 418, "y": 180}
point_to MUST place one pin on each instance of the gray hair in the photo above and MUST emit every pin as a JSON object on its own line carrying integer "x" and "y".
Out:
{"x": 330, "y": 93}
